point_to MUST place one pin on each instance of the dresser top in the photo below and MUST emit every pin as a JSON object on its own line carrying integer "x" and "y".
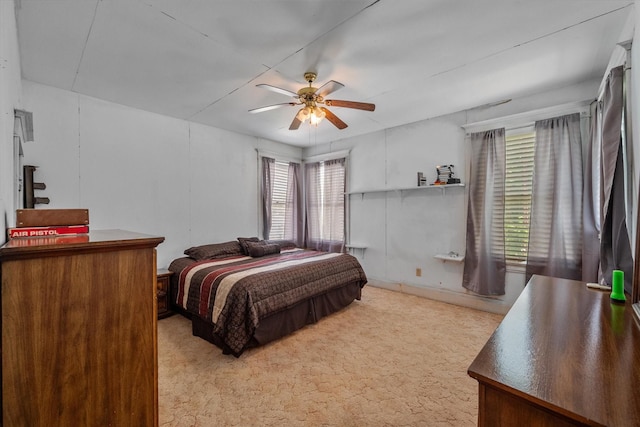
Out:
{"x": 570, "y": 349}
{"x": 98, "y": 240}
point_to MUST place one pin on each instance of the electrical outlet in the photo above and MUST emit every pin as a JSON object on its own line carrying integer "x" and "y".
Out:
{"x": 418, "y": 272}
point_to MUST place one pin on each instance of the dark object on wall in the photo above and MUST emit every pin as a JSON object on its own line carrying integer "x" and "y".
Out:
{"x": 29, "y": 186}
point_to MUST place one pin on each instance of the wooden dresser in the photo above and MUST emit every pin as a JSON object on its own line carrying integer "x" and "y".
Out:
{"x": 564, "y": 355}
{"x": 79, "y": 339}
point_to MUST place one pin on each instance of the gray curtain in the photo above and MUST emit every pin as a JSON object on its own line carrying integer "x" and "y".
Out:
{"x": 484, "y": 263}
{"x": 591, "y": 201}
{"x": 268, "y": 176}
{"x": 325, "y": 186}
{"x": 294, "y": 218}
{"x": 555, "y": 231}
{"x": 615, "y": 249}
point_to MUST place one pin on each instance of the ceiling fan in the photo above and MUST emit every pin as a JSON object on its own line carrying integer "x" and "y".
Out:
{"x": 313, "y": 101}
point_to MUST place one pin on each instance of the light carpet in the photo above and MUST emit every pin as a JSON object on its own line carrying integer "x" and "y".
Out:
{"x": 390, "y": 359}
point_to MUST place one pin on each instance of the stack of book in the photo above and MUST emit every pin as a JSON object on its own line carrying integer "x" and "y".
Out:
{"x": 49, "y": 223}
{"x": 444, "y": 173}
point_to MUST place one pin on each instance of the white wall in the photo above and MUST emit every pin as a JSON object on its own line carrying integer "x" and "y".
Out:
{"x": 403, "y": 230}
{"x": 145, "y": 172}
{"x": 10, "y": 98}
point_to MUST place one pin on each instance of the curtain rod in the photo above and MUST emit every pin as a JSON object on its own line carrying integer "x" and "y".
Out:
{"x": 277, "y": 156}
{"x": 529, "y": 117}
{"x": 327, "y": 156}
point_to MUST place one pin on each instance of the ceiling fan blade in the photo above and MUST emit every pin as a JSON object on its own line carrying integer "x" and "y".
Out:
{"x": 350, "y": 104}
{"x": 333, "y": 119}
{"x": 295, "y": 124}
{"x": 277, "y": 90}
{"x": 271, "y": 107}
{"x": 297, "y": 120}
{"x": 329, "y": 87}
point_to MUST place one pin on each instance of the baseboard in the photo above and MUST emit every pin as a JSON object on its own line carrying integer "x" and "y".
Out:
{"x": 491, "y": 305}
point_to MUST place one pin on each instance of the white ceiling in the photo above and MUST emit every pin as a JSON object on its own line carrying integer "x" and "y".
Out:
{"x": 200, "y": 60}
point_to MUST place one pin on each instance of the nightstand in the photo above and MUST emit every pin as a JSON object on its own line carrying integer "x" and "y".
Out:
{"x": 163, "y": 278}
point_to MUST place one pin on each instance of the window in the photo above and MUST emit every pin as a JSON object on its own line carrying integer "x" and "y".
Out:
{"x": 281, "y": 195}
{"x": 518, "y": 186}
{"x": 279, "y": 200}
{"x": 525, "y": 202}
{"x": 325, "y": 202}
{"x": 285, "y": 216}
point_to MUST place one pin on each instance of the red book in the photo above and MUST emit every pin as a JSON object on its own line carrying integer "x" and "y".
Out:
{"x": 49, "y": 240}
{"x": 48, "y": 231}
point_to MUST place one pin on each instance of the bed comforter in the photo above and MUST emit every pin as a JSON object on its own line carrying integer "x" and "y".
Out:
{"x": 234, "y": 293}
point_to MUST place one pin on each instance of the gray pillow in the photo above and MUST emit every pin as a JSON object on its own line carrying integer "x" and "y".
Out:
{"x": 284, "y": 244}
{"x": 215, "y": 250}
{"x": 243, "y": 244}
{"x": 258, "y": 249}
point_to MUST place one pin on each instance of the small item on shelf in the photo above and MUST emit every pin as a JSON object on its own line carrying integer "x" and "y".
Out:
{"x": 422, "y": 180}
{"x": 444, "y": 175}
{"x": 437, "y": 181}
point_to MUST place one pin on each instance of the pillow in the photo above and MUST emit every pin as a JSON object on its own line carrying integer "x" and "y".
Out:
{"x": 284, "y": 244}
{"x": 258, "y": 249}
{"x": 213, "y": 251}
{"x": 243, "y": 241}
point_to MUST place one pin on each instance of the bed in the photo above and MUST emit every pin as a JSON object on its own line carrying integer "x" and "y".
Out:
{"x": 245, "y": 293}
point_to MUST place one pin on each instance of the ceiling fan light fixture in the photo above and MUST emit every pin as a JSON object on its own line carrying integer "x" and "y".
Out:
{"x": 316, "y": 116}
{"x": 314, "y": 120}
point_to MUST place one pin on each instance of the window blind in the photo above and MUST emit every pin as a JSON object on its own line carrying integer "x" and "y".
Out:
{"x": 518, "y": 187}
{"x": 333, "y": 201}
{"x": 279, "y": 200}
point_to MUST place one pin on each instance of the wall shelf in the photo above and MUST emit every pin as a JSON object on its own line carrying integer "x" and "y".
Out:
{"x": 451, "y": 256}
{"x": 353, "y": 248}
{"x": 442, "y": 188}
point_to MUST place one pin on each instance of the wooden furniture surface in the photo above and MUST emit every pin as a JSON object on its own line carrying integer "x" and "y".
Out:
{"x": 563, "y": 355}
{"x": 164, "y": 307}
{"x": 79, "y": 339}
